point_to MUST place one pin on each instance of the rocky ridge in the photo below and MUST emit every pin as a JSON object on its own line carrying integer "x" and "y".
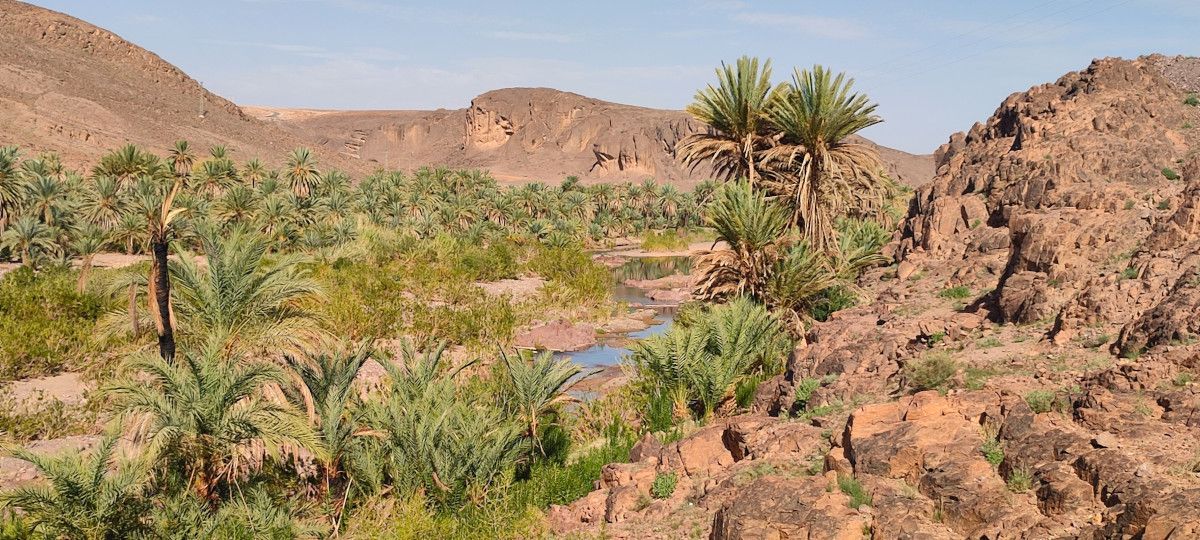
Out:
{"x": 1045, "y": 282}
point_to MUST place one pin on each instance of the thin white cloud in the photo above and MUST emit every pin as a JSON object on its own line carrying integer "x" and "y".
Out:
{"x": 819, "y": 26}
{"x": 532, "y": 36}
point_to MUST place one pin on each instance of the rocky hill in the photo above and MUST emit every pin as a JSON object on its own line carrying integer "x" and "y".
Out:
{"x": 1026, "y": 370}
{"x": 524, "y": 134}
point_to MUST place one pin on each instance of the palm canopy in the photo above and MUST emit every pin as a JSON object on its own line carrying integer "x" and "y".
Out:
{"x": 206, "y": 414}
{"x": 816, "y": 166}
{"x": 535, "y": 386}
{"x": 734, "y": 110}
{"x": 243, "y": 300}
{"x": 97, "y": 496}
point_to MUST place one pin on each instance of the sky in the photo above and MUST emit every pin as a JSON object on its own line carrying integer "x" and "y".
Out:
{"x": 934, "y": 67}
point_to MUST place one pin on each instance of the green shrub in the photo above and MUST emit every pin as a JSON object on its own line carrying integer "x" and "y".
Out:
{"x": 1170, "y": 174}
{"x": 702, "y": 362}
{"x": 931, "y": 372}
{"x": 1041, "y": 401}
{"x": 989, "y": 342}
{"x": 1192, "y": 100}
{"x": 1020, "y": 479}
{"x": 1164, "y": 204}
{"x": 45, "y": 323}
{"x": 832, "y": 300}
{"x": 1130, "y": 272}
{"x": 804, "y": 392}
{"x": 664, "y": 485}
{"x": 853, "y": 489}
{"x": 958, "y": 292}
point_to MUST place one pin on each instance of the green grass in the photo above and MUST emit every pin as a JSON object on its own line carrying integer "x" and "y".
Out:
{"x": 664, "y": 485}
{"x": 993, "y": 452}
{"x": 668, "y": 240}
{"x": 1130, "y": 272}
{"x": 1192, "y": 100}
{"x": 989, "y": 342}
{"x": 45, "y": 323}
{"x": 1170, "y": 174}
{"x": 850, "y": 486}
{"x": 50, "y": 420}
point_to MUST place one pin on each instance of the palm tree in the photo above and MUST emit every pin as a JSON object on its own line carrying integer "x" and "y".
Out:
{"x": 182, "y": 158}
{"x": 734, "y": 111}
{"x": 301, "y": 172}
{"x": 325, "y": 388}
{"x": 161, "y": 214}
{"x": 10, "y": 185}
{"x": 244, "y": 302}
{"x": 254, "y": 172}
{"x": 130, "y": 232}
{"x": 97, "y": 497}
{"x": 815, "y": 167}
{"x": 45, "y": 197}
{"x": 752, "y": 229}
{"x": 103, "y": 203}
{"x": 237, "y": 206}
{"x": 89, "y": 242}
{"x": 536, "y": 386}
{"x": 29, "y": 238}
{"x": 202, "y": 416}
{"x": 126, "y": 163}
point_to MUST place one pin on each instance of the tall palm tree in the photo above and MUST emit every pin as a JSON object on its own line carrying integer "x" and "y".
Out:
{"x": 734, "y": 111}
{"x": 45, "y": 197}
{"x": 130, "y": 232}
{"x": 28, "y": 238}
{"x": 202, "y": 416}
{"x": 244, "y": 302}
{"x": 254, "y": 172}
{"x": 126, "y": 163}
{"x": 161, "y": 214}
{"x": 536, "y": 386}
{"x": 816, "y": 168}
{"x": 95, "y": 497}
{"x": 301, "y": 172}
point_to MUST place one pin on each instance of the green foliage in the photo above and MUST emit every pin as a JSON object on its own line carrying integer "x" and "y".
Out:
{"x": 46, "y": 323}
{"x": 43, "y": 419}
{"x": 832, "y": 300}
{"x": 1192, "y": 100}
{"x": 850, "y": 486}
{"x": 932, "y": 371}
{"x": 958, "y": 292}
{"x": 669, "y": 240}
{"x": 804, "y": 392}
{"x": 700, "y": 364}
{"x": 1130, "y": 272}
{"x": 1170, "y": 174}
{"x": 664, "y": 485}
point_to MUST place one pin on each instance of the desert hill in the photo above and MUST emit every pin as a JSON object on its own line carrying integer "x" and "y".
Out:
{"x": 524, "y": 134}
{"x": 1025, "y": 370}
{"x": 79, "y": 90}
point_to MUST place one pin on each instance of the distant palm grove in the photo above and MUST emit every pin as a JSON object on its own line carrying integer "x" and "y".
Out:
{"x": 291, "y": 352}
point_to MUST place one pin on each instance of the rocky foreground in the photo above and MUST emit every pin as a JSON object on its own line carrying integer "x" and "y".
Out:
{"x": 1046, "y": 285}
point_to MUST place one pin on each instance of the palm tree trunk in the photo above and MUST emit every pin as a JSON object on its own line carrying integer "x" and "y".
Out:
{"x": 85, "y": 270}
{"x": 160, "y": 294}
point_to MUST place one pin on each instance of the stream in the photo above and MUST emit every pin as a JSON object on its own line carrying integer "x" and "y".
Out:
{"x": 610, "y": 350}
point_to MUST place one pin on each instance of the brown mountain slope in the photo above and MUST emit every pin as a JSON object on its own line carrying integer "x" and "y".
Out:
{"x": 524, "y": 134}
{"x": 70, "y": 87}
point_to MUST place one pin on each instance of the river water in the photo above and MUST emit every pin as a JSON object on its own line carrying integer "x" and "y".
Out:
{"x": 611, "y": 349}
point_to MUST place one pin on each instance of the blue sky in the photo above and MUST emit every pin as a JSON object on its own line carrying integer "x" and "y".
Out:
{"x": 934, "y": 66}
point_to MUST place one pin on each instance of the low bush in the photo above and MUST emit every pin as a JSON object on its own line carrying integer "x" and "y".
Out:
{"x": 1041, "y": 401}
{"x": 664, "y": 485}
{"x": 850, "y": 486}
{"x": 958, "y": 292}
{"x": 931, "y": 372}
